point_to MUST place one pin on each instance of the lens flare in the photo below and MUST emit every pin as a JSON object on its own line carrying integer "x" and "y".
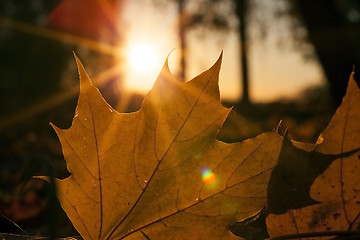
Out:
{"x": 208, "y": 176}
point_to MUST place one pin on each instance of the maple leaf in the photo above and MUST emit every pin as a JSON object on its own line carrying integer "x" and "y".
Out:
{"x": 160, "y": 171}
{"x": 337, "y": 190}
{"x": 298, "y": 166}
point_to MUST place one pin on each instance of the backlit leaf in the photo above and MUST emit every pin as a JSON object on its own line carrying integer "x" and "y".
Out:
{"x": 338, "y": 189}
{"x": 159, "y": 173}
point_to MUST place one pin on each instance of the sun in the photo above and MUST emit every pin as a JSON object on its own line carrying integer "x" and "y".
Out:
{"x": 142, "y": 57}
{"x": 142, "y": 66}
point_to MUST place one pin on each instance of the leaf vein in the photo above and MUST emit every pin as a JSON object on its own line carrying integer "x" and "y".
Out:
{"x": 75, "y": 210}
{"x": 99, "y": 164}
{"x": 79, "y": 158}
{"x": 160, "y": 160}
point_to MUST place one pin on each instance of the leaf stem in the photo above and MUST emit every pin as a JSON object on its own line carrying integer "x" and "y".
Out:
{"x": 14, "y": 223}
{"x": 318, "y": 234}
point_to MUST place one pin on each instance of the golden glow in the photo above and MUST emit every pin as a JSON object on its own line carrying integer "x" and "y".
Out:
{"x": 142, "y": 66}
{"x": 142, "y": 57}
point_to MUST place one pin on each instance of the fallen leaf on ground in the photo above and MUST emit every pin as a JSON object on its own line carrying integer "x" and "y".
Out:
{"x": 159, "y": 173}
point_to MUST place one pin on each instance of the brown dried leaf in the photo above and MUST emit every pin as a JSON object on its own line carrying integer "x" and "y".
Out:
{"x": 338, "y": 188}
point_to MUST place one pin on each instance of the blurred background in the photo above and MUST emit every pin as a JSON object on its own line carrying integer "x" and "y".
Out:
{"x": 283, "y": 60}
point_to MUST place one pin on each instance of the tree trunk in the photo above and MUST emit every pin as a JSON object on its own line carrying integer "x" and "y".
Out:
{"x": 241, "y": 9}
{"x": 336, "y": 42}
{"x": 182, "y": 29}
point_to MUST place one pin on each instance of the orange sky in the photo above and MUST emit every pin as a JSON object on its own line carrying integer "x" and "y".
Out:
{"x": 274, "y": 73}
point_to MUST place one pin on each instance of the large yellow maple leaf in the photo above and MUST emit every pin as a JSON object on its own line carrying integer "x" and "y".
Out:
{"x": 159, "y": 173}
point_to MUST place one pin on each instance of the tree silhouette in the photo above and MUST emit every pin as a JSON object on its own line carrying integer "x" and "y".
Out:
{"x": 333, "y": 29}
